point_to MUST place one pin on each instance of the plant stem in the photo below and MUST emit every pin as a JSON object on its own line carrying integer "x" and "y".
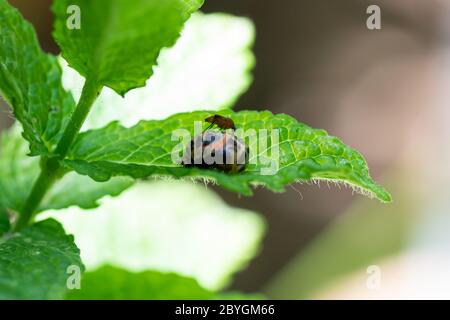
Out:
{"x": 50, "y": 167}
{"x": 91, "y": 90}
{"x": 43, "y": 183}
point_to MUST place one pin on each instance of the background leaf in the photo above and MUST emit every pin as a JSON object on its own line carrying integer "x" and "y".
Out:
{"x": 119, "y": 42}
{"x": 33, "y": 262}
{"x": 30, "y": 82}
{"x": 145, "y": 150}
{"x": 19, "y": 171}
{"x": 82, "y": 191}
{"x": 4, "y": 220}
{"x": 115, "y": 284}
{"x": 209, "y": 66}
{"x": 198, "y": 235}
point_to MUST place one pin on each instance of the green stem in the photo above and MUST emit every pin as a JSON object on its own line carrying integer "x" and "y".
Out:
{"x": 50, "y": 167}
{"x": 91, "y": 91}
{"x": 42, "y": 184}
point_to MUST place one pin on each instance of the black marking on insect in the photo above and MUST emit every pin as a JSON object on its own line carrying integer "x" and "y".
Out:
{"x": 220, "y": 150}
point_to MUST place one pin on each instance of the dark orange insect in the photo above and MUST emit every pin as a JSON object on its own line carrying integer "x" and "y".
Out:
{"x": 221, "y": 122}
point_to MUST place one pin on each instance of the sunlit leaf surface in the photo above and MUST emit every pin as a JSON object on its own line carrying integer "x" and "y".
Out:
{"x": 167, "y": 226}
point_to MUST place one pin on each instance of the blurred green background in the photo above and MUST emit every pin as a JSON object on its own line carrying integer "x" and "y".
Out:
{"x": 384, "y": 92}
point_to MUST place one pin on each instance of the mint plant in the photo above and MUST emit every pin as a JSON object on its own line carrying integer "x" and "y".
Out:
{"x": 116, "y": 49}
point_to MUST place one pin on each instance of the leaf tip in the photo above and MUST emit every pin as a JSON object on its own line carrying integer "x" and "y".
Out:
{"x": 383, "y": 195}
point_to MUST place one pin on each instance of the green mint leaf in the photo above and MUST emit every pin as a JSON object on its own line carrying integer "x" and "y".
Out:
{"x": 111, "y": 283}
{"x": 34, "y": 262}
{"x": 146, "y": 149}
{"x": 134, "y": 241}
{"x": 19, "y": 171}
{"x": 30, "y": 82}
{"x": 4, "y": 221}
{"x": 83, "y": 192}
{"x": 210, "y": 65}
{"x": 118, "y": 42}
